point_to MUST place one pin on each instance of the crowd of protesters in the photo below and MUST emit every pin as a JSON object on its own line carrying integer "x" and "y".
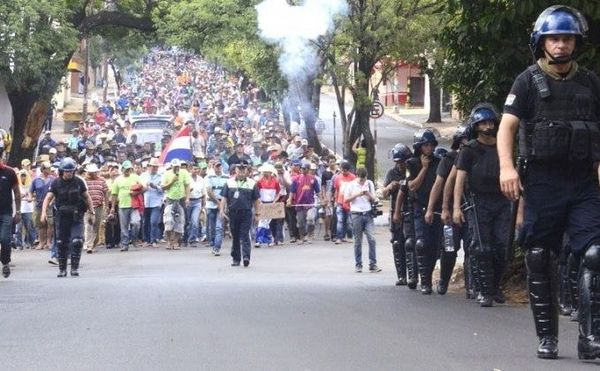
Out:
{"x": 141, "y": 201}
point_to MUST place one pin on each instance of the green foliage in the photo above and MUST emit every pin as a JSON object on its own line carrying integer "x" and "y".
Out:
{"x": 35, "y": 40}
{"x": 224, "y": 31}
{"x": 487, "y": 45}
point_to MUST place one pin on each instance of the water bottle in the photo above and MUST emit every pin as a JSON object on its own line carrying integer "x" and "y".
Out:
{"x": 448, "y": 238}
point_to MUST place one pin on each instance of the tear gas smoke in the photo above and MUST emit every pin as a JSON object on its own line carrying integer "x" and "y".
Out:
{"x": 292, "y": 28}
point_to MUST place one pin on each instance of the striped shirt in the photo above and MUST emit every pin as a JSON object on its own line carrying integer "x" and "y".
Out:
{"x": 97, "y": 189}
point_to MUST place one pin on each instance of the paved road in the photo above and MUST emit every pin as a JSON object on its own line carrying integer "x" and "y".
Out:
{"x": 389, "y": 132}
{"x": 295, "y": 308}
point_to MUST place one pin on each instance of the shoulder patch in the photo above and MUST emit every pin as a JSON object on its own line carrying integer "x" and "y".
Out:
{"x": 510, "y": 99}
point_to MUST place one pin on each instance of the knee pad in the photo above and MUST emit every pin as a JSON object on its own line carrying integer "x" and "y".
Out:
{"x": 591, "y": 258}
{"x": 77, "y": 242}
{"x": 420, "y": 245}
{"x": 537, "y": 259}
{"x": 409, "y": 244}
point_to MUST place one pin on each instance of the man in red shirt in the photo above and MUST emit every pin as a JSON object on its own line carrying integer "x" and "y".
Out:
{"x": 268, "y": 190}
{"x": 342, "y": 209}
{"x": 9, "y": 186}
{"x": 302, "y": 196}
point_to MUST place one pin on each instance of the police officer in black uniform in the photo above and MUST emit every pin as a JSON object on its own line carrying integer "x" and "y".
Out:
{"x": 447, "y": 255}
{"x": 240, "y": 195}
{"x": 490, "y": 212}
{"x": 555, "y": 106}
{"x": 72, "y": 201}
{"x": 422, "y": 172}
{"x": 394, "y": 180}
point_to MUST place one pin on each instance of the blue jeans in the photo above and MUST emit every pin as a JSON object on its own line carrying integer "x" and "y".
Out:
{"x": 363, "y": 223}
{"x": 6, "y": 228}
{"x": 125, "y": 221}
{"x": 193, "y": 215}
{"x": 30, "y": 231}
{"x": 344, "y": 228}
{"x": 215, "y": 228}
{"x": 151, "y": 224}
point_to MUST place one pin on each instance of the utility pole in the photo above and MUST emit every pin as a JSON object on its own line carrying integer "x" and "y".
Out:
{"x": 334, "y": 137}
{"x": 86, "y": 75}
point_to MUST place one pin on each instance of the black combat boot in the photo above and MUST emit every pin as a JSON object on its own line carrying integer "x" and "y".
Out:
{"x": 573, "y": 274}
{"x": 475, "y": 277}
{"x": 62, "y": 267}
{"x": 75, "y": 266}
{"x": 543, "y": 303}
{"x": 447, "y": 262}
{"x": 486, "y": 279}
{"x": 76, "y": 257}
{"x": 399, "y": 262}
{"x": 565, "y": 308}
{"x": 469, "y": 289}
{"x": 588, "y": 346}
{"x": 426, "y": 288}
{"x": 411, "y": 266}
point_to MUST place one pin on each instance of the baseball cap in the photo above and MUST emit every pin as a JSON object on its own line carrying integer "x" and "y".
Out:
{"x": 126, "y": 165}
{"x": 175, "y": 162}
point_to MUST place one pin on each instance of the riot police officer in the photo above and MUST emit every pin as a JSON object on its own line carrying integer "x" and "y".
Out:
{"x": 448, "y": 253}
{"x": 555, "y": 106}
{"x": 489, "y": 211}
{"x": 422, "y": 172}
{"x": 72, "y": 201}
{"x": 395, "y": 178}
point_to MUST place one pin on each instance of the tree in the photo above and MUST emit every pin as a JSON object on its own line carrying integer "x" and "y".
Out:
{"x": 37, "y": 41}
{"x": 487, "y": 46}
{"x": 374, "y": 31}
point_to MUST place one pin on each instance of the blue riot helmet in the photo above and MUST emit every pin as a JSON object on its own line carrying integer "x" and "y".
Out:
{"x": 424, "y": 136}
{"x": 401, "y": 152}
{"x": 557, "y": 20}
{"x": 440, "y": 152}
{"x": 462, "y": 132}
{"x": 67, "y": 164}
{"x": 480, "y": 113}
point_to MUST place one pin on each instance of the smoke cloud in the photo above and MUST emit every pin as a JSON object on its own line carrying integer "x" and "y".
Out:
{"x": 292, "y": 28}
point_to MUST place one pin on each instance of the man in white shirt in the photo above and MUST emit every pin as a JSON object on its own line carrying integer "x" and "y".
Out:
{"x": 197, "y": 199}
{"x": 360, "y": 193}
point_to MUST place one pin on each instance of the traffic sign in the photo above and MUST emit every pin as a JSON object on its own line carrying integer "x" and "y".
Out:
{"x": 376, "y": 110}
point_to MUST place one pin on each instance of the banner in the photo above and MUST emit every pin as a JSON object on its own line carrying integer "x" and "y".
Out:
{"x": 275, "y": 210}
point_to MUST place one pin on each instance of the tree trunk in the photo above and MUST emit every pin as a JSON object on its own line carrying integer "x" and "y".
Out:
{"x": 29, "y": 114}
{"x": 104, "y": 77}
{"x": 435, "y": 114}
{"x": 360, "y": 127}
{"x": 311, "y": 114}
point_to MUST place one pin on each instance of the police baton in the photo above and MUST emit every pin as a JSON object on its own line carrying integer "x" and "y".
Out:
{"x": 522, "y": 169}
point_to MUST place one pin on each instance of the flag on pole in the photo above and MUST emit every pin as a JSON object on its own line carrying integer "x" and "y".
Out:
{"x": 180, "y": 147}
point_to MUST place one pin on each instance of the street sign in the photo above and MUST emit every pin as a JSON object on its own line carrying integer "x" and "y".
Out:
{"x": 376, "y": 110}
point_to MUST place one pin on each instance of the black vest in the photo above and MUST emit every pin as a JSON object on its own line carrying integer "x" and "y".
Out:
{"x": 564, "y": 125}
{"x": 69, "y": 195}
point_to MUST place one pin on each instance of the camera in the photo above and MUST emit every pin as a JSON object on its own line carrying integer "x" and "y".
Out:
{"x": 376, "y": 209}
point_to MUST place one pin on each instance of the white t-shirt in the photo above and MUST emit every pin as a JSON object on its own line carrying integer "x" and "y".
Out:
{"x": 360, "y": 204}
{"x": 26, "y": 206}
{"x": 197, "y": 187}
